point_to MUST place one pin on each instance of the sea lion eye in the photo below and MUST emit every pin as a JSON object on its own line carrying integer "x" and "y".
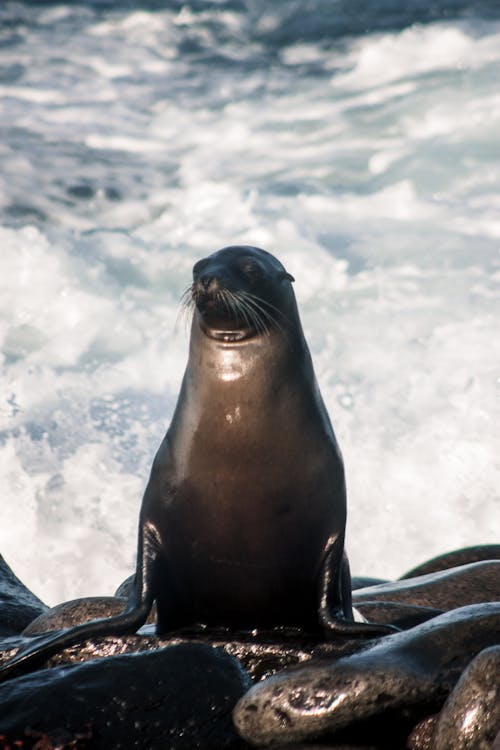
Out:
{"x": 250, "y": 267}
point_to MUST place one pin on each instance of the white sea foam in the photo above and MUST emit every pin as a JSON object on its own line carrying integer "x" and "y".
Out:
{"x": 370, "y": 167}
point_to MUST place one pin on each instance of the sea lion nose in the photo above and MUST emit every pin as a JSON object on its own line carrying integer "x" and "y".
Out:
{"x": 209, "y": 282}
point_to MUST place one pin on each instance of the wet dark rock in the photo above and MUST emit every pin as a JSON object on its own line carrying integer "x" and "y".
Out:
{"x": 422, "y": 735}
{"x": 407, "y": 675}
{"x": 447, "y": 589}
{"x": 178, "y": 698}
{"x": 261, "y": 653}
{"x": 75, "y": 612}
{"x": 400, "y": 614}
{"x": 125, "y": 587}
{"x": 357, "y": 694}
{"x": 328, "y": 746}
{"x": 470, "y": 719}
{"x": 361, "y": 582}
{"x": 339, "y": 647}
{"x": 265, "y": 659}
{"x": 18, "y": 606}
{"x": 455, "y": 558}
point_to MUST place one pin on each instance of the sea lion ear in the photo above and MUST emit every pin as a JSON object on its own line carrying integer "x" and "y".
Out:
{"x": 284, "y": 275}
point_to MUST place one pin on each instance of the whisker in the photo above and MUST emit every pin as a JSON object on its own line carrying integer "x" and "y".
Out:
{"x": 186, "y": 308}
{"x": 223, "y": 297}
{"x": 256, "y": 314}
{"x": 254, "y": 311}
{"x": 236, "y": 311}
{"x": 253, "y": 314}
{"x": 254, "y": 301}
{"x": 265, "y": 302}
{"x": 239, "y": 308}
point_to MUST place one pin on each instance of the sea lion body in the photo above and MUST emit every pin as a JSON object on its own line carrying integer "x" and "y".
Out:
{"x": 246, "y": 499}
{"x": 247, "y": 488}
{"x": 243, "y": 518}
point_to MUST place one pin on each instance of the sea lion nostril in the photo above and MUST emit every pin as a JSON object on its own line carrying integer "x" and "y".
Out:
{"x": 209, "y": 282}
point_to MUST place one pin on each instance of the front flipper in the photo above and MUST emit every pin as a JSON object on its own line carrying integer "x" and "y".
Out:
{"x": 335, "y": 605}
{"x": 42, "y": 647}
{"x": 133, "y": 617}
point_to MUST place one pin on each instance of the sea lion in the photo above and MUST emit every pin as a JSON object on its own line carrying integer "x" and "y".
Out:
{"x": 243, "y": 519}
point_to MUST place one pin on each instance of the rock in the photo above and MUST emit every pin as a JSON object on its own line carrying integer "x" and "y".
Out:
{"x": 68, "y": 614}
{"x": 18, "y": 606}
{"x": 448, "y": 589}
{"x": 455, "y": 558}
{"x": 262, "y": 653}
{"x": 361, "y": 582}
{"x": 178, "y": 698}
{"x": 362, "y": 695}
{"x": 125, "y": 587}
{"x": 421, "y": 737}
{"x": 402, "y": 615}
{"x": 409, "y": 674}
{"x": 470, "y": 719}
{"x": 329, "y": 746}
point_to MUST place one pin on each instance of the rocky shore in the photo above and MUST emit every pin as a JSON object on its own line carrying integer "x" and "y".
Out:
{"x": 434, "y": 685}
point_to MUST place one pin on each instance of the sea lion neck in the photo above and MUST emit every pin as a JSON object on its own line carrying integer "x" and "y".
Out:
{"x": 230, "y": 356}
{"x": 252, "y": 364}
{"x": 213, "y": 351}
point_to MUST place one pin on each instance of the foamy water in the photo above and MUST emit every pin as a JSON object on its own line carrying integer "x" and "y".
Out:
{"x": 135, "y": 142}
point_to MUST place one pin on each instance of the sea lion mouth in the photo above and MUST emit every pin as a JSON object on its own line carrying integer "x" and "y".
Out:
{"x": 229, "y": 315}
{"x": 223, "y": 315}
{"x": 227, "y": 336}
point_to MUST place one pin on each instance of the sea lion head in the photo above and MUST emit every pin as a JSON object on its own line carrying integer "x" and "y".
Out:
{"x": 240, "y": 292}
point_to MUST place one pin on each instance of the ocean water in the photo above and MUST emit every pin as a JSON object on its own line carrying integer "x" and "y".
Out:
{"x": 361, "y": 148}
